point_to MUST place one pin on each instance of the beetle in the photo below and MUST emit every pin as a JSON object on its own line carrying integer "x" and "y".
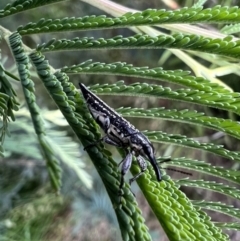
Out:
{"x": 121, "y": 133}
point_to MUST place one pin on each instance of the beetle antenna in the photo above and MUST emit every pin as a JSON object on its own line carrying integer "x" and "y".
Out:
{"x": 175, "y": 170}
{"x": 172, "y": 169}
{"x": 165, "y": 160}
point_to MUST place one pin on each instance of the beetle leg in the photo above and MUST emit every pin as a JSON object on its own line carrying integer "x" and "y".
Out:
{"x": 143, "y": 165}
{"x": 105, "y": 139}
{"x": 126, "y": 152}
{"x": 109, "y": 141}
{"x": 93, "y": 144}
{"x": 127, "y": 161}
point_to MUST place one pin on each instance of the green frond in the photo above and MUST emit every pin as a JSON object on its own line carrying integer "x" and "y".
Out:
{"x": 4, "y": 100}
{"x": 226, "y": 47}
{"x": 212, "y": 186}
{"x": 52, "y": 162}
{"x": 162, "y": 137}
{"x": 231, "y": 29}
{"x": 220, "y": 207}
{"x": 186, "y": 116}
{"x": 177, "y": 215}
{"x": 227, "y": 101}
{"x": 8, "y": 104}
{"x": 229, "y": 226}
{"x": 22, "y": 60}
{"x": 27, "y": 84}
{"x": 73, "y": 108}
{"x": 199, "y": 3}
{"x": 3, "y": 103}
{"x": 120, "y": 68}
{"x": 207, "y": 168}
{"x": 10, "y": 74}
{"x": 23, "y": 5}
{"x": 216, "y": 14}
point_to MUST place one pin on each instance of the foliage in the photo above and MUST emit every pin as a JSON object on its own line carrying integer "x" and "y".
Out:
{"x": 180, "y": 217}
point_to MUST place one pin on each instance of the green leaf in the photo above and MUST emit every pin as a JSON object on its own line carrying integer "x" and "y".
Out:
{"x": 162, "y": 137}
{"x": 216, "y": 14}
{"x": 229, "y": 210}
{"x": 22, "y": 60}
{"x": 120, "y": 68}
{"x": 227, "y": 101}
{"x": 186, "y": 116}
{"x": 212, "y": 186}
{"x": 23, "y": 5}
{"x": 226, "y": 47}
{"x": 207, "y": 168}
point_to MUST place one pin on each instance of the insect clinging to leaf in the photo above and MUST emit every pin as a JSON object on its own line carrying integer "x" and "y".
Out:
{"x": 121, "y": 133}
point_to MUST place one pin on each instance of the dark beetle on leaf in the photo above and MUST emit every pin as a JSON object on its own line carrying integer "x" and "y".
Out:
{"x": 120, "y": 133}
